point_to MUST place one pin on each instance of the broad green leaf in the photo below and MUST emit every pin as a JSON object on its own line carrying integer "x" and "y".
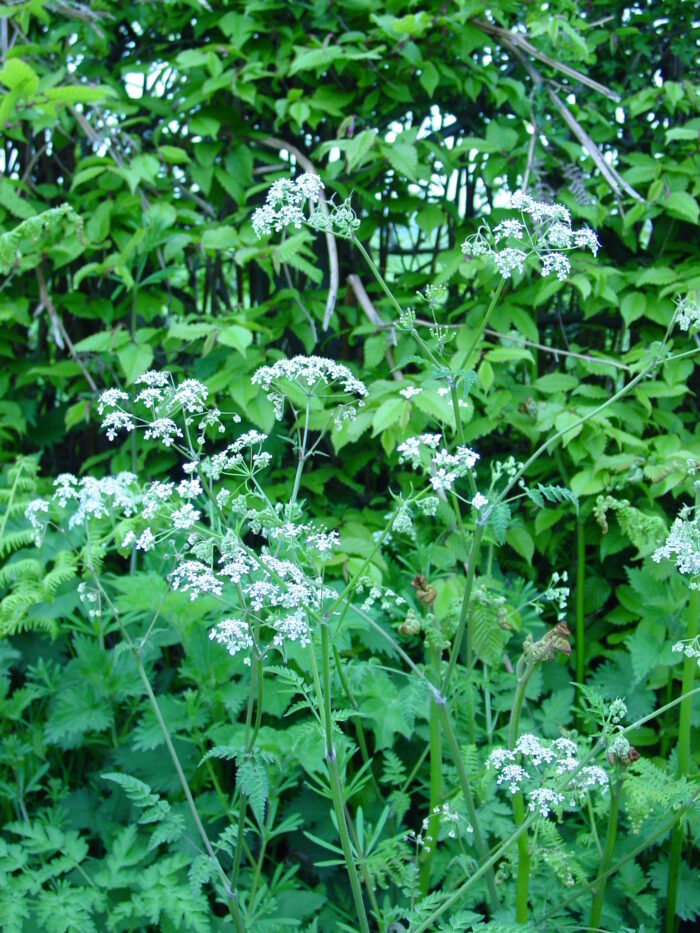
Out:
{"x": 17, "y": 74}
{"x": 220, "y": 238}
{"x": 135, "y": 360}
{"x": 236, "y": 337}
{"x": 403, "y": 158}
{"x": 683, "y": 205}
{"x": 388, "y": 413}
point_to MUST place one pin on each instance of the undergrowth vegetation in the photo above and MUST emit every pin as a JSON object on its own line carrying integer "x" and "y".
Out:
{"x": 348, "y": 499}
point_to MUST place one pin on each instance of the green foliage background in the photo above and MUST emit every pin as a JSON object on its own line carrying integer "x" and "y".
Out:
{"x": 137, "y": 138}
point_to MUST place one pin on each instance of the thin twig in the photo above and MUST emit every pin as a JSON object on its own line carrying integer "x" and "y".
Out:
{"x": 60, "y": 332}
{"x": 555, "y": 351}
{"x": 334, "y": 282}
{"x": 371, "y": 312}
{"x": 302, "y": 306}
{"x": 530, "y": 149}
{"x": 510, "y": 39}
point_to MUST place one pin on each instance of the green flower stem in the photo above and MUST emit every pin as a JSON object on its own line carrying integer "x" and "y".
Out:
{"x": 350, "y": 586}
{"x": 684, "y": 757}
{"x": 323, "y": 693}
{"x": 580, "y": 580}
{"x": 523, "y": 672}
{"x": 19, "y": 468}
{"x": 251, "y": 733}
{"x": 471, "y": 807}
{"x": 431, "y": 837}
{"x": 606, "y": 861}
{"x": 458, "y": 418}
{"x": 361, "y": 740}
{"x": 465, "y": 614}
{"x": 482, "y": 327}
{"x": 594, "y": 827}
{"x": 377, "y": 274}
{"x": 229, "y": 893}
{"x": 302, "y": 454}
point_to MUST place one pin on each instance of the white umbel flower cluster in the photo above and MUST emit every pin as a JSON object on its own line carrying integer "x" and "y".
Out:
{"x": 687, "y": 314}
{"x": 545, "y": 227}
{"x": 92, "y": 498}
{"x": 689, "y": 648}
{"x": 284, "y": 204}
{"x": 234, "y": 635}
{"x": 163, "y": 401}
{"x": 683, "y": 547}
{"x": 533, "y": 761}
{"x": 443, "y": 467}
{"x": 312, "y": 376}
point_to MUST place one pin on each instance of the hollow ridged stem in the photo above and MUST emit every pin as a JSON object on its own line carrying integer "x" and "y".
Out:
{"x": 580, "y": 580}
{"x": 684, "y": 757}
{"x": 323, "y": 693}
{"x": 465, "y": 787}
{"x": 523, "y": 672}
{"x": 606, "y": 861}
{"x": 435, "y": 783}
{"x": 465, "y": 614}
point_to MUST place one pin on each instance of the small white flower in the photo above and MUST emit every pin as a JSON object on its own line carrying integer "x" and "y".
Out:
{"x": 410, "y": 392}
{"x": 146, "y": 541}
{"x": 189, "y": 488}
{"x": 185, "y": 517}
{"x": 116, "y": 421}
{"x": 687, "y": 312}
{"x": 509, "y": 228}
{"x": 513, "y": 776}
{"x": 557, "y": 263}
{"x": 111, "y": 398}
{"x": 154, "y": 378}
{"x": 479, "y": 501}
{"x": 508, "y": 260}
{"x": 191, "y": 395}
{"x": 234, "y": 635}
{"x": 195, "y": 578}
{"x": 543, "y": 799}
{"x": 164, "y": 430}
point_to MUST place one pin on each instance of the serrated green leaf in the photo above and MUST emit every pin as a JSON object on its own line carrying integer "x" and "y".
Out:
{"x": 134, "y": 360}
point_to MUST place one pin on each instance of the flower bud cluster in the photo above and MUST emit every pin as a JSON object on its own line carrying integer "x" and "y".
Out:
{"x": 448, "y": 827}
{"x": 689, "y": 648}
{"x": 687, "y": 313}
{"x": 558, "y": 594}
